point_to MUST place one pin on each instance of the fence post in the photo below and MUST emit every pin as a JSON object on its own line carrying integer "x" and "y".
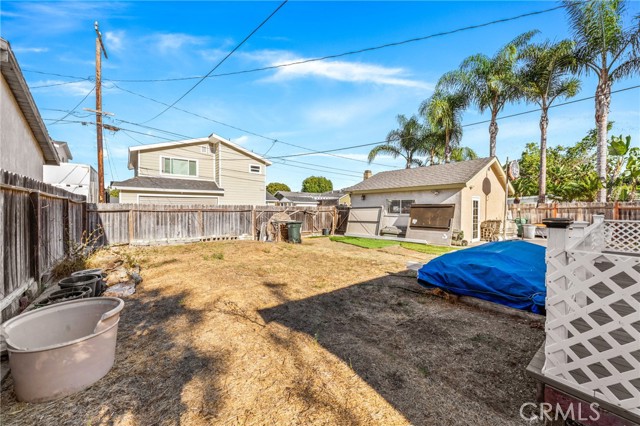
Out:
{"x": 334, "y": 220}
{"x": 616, "y": 210}
{"x": 253, "y": 222}
{"x": 66, "y": 235}
{"x": 201, "y": 220}
{"x": 34, "y": 236}
{"x": 130, "y": 225}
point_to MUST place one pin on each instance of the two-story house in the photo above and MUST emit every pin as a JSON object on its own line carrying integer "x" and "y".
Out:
{"x": 209, "y": 170}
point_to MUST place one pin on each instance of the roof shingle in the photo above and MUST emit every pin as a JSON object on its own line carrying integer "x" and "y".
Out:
{"x": 168, "y": 184}
{"x": 438, "y": 175}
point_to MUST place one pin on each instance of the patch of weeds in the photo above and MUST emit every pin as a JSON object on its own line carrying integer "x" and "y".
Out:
{"x": 163, "y": 263}
{"x": 423, "y": 370}
{"x": 481, "y": 338}
{"x": 78, "y": 254}
{"x": 213, "y": 256}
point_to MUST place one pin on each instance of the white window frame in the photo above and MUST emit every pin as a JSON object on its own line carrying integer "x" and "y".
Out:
{"x": 163, "y": 157}
{"x": 476, "y": 198}
{"x": 389, "y": 201}
{"x": 259, "y": 172}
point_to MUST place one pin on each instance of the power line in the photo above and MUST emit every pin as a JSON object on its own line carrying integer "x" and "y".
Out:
{"x": 351, "y": 52}
{"x": 221, "y": 61}
{"x": 57, "y": 75}
{"x": 273, "y": 140}
{"x": 75, "y": 107}
{"x": 56, "y": 84}
{"x": 552, "y": 106}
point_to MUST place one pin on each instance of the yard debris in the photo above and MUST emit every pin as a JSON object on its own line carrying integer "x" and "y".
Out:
{"x": 121, "y": 289}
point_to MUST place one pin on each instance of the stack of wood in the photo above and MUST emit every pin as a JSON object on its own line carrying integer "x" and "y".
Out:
{"x": 490, "y": 230}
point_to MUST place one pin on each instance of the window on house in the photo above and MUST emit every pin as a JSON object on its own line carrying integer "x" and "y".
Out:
{"x": 400, "y": 206}
{"x": 254, "y": 168}
{"x": 177, "y": 166}
{"x": 205, "y": 149}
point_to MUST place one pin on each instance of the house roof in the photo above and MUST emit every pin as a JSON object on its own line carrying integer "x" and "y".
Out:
{"x": 450, "y": 174}
{"x": 297, "y": 197}
{"x": 167, "y": 184}
{"x": 270, "y": 197}
{"x": 18, "y": 86}
{"x": 63, "y": 150}
{"x": 212, "y": 138}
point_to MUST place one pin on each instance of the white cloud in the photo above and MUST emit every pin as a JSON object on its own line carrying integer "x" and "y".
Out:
{"x": 168, "y": 42}
{"x": 30, "y": 49}
{"x": 241, "y": 140}
{"x": 353, "y": 72}
{"x": 114, "y": 40}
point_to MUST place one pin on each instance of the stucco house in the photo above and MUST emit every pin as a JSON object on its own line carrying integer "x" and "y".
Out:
{"x": 79, "y": 179}
{"x": 25, "y": 144}
{"x": 210, "y": 170}
{"x": 428, "y": 203}
{"x": 312, "y": 199}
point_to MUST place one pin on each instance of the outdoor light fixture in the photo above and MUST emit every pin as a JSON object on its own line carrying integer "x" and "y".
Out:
{"x": 363, "y": 197}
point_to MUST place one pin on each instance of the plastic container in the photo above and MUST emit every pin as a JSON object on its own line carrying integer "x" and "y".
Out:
{"x": 92, "y": 281}
{"x": 61, "y": 349}
{"x": 101, "y": 286}
{"x": 293, "y": 232}
{"x": 326, "y": 231}
{"x": 529, "y": 231}
{"x": 519, "y": 222}
{"x": 65, "y": 295}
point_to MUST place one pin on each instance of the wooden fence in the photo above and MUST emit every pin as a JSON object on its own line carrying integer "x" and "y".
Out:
{"x": 37, "y": 224}
{"x": 151, "y": 224}
{"x": 578, "y": 211}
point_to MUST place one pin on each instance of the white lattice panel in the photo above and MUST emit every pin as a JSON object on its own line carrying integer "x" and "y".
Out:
{"x": 593, "y": 324}
{"x": 622, "y": 236}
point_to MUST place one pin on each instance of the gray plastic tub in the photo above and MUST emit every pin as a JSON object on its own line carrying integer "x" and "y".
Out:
{"x": 63, "y": 348}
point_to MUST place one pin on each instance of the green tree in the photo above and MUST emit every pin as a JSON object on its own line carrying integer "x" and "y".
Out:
{"x": 317, "y": 184}
{"x": 544, "y": 77}
{"x": 443, "y": 110}
{"x": 463, "y": 153}
{"x": 605, "y": 48}
{"x": 274, "y": 187}
{"x": 490, "y": 82}
{"x": 407, "y": 141}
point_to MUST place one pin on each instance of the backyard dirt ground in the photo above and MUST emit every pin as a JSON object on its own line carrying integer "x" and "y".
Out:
{"x": 323, "y": 333}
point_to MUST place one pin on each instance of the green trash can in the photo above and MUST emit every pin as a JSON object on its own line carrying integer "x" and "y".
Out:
{"x": 293, "y": 231}
{"x": 519, "y": 222}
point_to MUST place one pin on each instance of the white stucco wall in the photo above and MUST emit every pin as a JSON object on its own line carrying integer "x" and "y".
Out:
{"x": 446, "y": 196}
{"x": 19, "y": 149}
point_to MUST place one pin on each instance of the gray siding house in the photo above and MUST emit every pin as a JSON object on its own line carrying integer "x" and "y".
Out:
{"x": 210, "y": 170}
{"x": 25, "y": 145}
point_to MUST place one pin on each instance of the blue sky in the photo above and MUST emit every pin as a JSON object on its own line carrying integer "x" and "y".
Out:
{"x": 323, "y": 105}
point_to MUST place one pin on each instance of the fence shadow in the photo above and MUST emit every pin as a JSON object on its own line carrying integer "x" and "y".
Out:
{"x": 433, "y": 361}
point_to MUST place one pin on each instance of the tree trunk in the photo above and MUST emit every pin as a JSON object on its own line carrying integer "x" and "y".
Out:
{"x": 447, "y": 147}
{"x": 603, "y": 100}
{"x": 542, "y": 179}
{"x": 493, "y": 133}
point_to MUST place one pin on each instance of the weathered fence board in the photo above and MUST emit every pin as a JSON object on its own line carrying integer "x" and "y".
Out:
{"x": 578, "y": 211}
{"x": 37, "y": 224}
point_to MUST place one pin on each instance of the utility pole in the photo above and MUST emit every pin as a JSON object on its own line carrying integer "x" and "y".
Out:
{"x": 99, "y": 50}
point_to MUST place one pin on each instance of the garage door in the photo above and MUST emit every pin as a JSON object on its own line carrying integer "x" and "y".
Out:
{"x": 364, "y": 221}
{"x": 159, "y": 199}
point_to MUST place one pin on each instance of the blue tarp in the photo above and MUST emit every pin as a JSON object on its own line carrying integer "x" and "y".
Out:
{"x": 511, "y": 273}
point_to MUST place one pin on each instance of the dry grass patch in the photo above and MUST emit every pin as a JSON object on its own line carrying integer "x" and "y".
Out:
{"x": 321, "y": 333}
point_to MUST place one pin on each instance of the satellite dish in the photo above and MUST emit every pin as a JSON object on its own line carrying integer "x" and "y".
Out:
{"x": 514, "y": 170}
{"x": 486, "y": 186}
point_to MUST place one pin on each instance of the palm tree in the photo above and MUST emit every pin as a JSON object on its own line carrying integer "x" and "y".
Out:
{"x": 406, "y": 141}
{"x": 443, "y": 110}
{"x": 604, "y": 47}
{"x": 543, "y": 79}
{"x": 463, "y": 153}
{"x": 490, "y": 82}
